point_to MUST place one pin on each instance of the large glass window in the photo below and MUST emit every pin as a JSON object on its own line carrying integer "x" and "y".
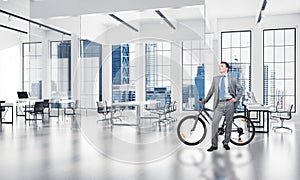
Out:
{"x": 158, "y": 64}
{"x": 123, "y": 73}
{"x": 193, "y": 74}
{"x": 60, "y": 55}
{"x": 236, "y": 50}
{"x": 91, "y": 73}
{"x": 279, "y": 67}
{"x": 32, "y": 68}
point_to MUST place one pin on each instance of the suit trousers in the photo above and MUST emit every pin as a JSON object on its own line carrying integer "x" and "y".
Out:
{"x": 226, "y": 109}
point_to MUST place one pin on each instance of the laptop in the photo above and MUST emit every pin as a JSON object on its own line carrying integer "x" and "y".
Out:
{"x": 22, "y": 95}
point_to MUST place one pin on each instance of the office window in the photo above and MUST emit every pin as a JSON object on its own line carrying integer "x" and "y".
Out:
{"x": 91, "y": 73}
{"x": 123, "y": 73}
{"x": 158, "y": 71}
{"x": 279, "y": 49}
{"x": 60, "y": 55}
{"x": 193, "y": 74}
{"x": 236, "y": 50}
{"x": 32, "y": 68}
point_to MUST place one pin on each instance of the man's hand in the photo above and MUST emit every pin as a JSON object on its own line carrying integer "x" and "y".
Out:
{"x": 202, "y": 101}
{"x": 233, "y": 100}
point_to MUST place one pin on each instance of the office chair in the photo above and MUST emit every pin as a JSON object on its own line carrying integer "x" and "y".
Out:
{"x": 46, "y": 106}
{"x": 162, "y": 115}
{"x": 173, "y": 108}
{"x": 152, "y": 107}
{"x": 73, "y": 107}
{"x": 38, "y": 108}
{"x": 287, "y": 115}
{"x": 102, "y": 109}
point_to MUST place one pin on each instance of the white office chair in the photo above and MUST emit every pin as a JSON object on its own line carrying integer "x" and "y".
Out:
{"x": 287, "y": 115}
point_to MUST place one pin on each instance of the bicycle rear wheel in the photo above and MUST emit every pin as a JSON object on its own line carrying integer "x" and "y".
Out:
{"x": 242, "y": 131}
{"x": 191, "y": 130}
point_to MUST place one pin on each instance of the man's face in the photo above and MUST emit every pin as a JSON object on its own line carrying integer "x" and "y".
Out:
{"x": 222, "y": 68}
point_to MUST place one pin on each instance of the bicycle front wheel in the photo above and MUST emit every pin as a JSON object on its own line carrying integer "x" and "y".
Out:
{"x": 191, "y": 130}
{"x": 242, "y": 131}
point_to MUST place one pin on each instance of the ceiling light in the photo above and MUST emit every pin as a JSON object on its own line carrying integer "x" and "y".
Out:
{"x": 261, "y": 12}
{"x": 165, "y": 19}
{"x": 123, "y": 22}
{"x": 13, "y": 29}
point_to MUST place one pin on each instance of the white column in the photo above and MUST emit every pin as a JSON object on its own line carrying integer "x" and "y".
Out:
{"x": 140, "y": 74}
{"x": 46, "y": 66}
{"x": 176, "y": 74}
{"x": 106, "y": 72}
{"x": 257, "y": 64}
{"x": 75, "y": 67}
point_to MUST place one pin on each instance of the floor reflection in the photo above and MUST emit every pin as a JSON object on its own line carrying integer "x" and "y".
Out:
{"x": 77, "y": 147}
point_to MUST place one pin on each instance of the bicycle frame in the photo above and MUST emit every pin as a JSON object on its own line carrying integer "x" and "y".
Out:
{"x": 200, "y": 114}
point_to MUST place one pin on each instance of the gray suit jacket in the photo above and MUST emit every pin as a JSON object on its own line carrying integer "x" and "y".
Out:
{"x": 234, "y": 88}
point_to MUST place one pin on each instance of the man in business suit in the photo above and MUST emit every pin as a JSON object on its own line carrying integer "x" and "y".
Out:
{"x": 227, "y": 91}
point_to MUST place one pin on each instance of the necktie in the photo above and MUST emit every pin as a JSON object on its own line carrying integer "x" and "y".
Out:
{"x": 222, "y": 87}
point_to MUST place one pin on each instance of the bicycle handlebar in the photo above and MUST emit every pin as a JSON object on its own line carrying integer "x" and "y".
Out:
{"x": 203, "y": 107}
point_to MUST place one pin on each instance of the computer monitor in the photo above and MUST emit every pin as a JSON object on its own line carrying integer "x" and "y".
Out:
{"x": 22, "y": 95}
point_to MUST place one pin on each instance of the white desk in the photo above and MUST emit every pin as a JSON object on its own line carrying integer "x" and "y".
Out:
{"x": 21, "y": 103}
{"x": 7, "y": 105}
{"x": 263, "y": 114}
{"x": 257, "y": 107}
{"x": 137, "y": 104}
{"x": 60, "y": 104}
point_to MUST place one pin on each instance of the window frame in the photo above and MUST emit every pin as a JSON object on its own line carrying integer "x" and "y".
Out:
{"x": 240, "y": 63}
{"x": 284, "y": 62}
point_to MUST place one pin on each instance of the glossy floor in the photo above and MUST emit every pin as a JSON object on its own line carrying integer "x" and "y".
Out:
{"x": 79, "y": 148}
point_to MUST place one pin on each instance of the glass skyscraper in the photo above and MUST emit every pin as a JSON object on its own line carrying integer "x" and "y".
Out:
{"x": 199, "y": 86}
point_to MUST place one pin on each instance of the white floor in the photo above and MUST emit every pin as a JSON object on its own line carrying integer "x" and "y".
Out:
{"x": 79, "y": 148}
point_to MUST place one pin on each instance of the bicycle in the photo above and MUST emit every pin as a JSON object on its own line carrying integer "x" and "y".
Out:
{"x": 192, "y": 129}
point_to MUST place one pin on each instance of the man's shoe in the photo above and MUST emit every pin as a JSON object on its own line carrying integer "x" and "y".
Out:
{"x": 226, "y": 147}
{"x": 212, "y": 148}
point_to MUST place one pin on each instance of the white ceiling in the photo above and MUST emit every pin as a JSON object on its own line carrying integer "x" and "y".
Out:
{"x": 55, "y": 8}
{"x": 215, "y": 8}
{"x": 174, "y": 15}
{"x": 142, "y": 11}
{"x": 244, "y": 8}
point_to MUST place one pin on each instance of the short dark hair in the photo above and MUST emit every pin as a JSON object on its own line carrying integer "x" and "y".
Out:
{"x": 226, "y": 63}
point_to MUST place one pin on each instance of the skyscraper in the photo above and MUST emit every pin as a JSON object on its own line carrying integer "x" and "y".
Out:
{"x": 266, "y": 85}
{"x": 125, "y": 64}
{"x": 116, "y": 64}
{"x": 236, "y": 71}
{"x": 199, "y": 85}
{"x": 272, "y": 87}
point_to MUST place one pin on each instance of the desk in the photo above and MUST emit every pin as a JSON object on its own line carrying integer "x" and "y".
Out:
{"x": 60, "y": 104}
{"x": 7, "y": 105}
{"x": 137, "y": 109}
{"x": 22, "y": 103}
{"x": 130, "y": 103}
{"x": 262, "y": 115}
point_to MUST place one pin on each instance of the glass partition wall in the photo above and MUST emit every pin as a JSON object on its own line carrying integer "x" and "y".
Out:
{"x": 158, "y": 71}
{"x": 32, "y": 68}
{"x": 91, "y": 73}
{"x": 47, "y": 62}
{"x": 60, "y": 57}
